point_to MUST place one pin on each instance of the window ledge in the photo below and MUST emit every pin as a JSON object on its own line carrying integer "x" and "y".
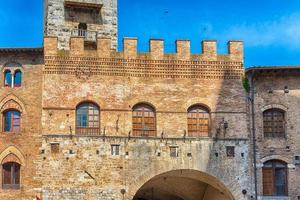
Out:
{"x": 274, "y": 198}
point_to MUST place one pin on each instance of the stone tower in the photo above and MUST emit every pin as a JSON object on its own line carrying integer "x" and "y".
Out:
{"x": 90, "y": 19}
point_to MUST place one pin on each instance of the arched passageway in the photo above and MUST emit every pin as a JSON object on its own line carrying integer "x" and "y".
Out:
{"x": 183, "y": 185}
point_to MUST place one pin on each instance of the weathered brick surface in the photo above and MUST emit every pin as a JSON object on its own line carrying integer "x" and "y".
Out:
{"x": 25, "y": 145}
{"x": 90, "y": 171}
{"x": 284, "y": 149}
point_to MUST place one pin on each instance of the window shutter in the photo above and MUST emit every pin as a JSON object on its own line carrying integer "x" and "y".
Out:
{"x": 7, "y": 174}
{"x": 268, "y": 187}
{"x": 17, "y": 174}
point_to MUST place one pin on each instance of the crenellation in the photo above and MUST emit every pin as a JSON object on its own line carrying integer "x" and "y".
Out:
{"x": 209, "y": 49}
{"x": 156, "y": 49}
{"x": 183, "y": 51}
{"x": 236, "y": 50}
{"x": 50, "y": 45}
{"x": 130, "y": 48}
{"x": 76, "y": 46}
{"x": 104, "y": 47}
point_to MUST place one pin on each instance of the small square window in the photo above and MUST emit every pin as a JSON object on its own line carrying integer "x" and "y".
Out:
{"x": 115, "y": 149}
{"x": 230, "y": 151}
{"x": 174, "y": 152}
{"x": 297, "y": 160}
{"x": 55, "y": 148}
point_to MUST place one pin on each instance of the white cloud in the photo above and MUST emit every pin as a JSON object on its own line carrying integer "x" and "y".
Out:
{"x": 285, "y": 31}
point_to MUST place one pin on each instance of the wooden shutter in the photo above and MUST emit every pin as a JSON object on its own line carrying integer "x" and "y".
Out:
{"x": 7, "y": 179}
{"x": 198, "y": 121}
{"x": 143, "y": 121}
{"x": 268, "y": 181}
{"x": 16, "y": 174}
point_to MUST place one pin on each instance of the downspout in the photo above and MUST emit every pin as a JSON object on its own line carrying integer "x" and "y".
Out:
{"x": 253, "y": 133}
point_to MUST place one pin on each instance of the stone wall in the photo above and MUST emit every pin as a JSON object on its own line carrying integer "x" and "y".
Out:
{"x": 85, "y": 169}
{"x": 270, "y": 93}
{"x": 57, "y": 23}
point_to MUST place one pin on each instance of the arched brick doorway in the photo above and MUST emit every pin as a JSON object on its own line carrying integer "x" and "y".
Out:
{"x": 183, "y": 185}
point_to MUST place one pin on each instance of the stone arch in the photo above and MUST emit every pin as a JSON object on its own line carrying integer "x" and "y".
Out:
{"x": 12, "y": 150}
{"x": 11, "y": 101}
{"x": 142, "y": 101}
{"x": 270, "y": 106}
{"x": 186, "y": 173}
{"x": 274, "y": 157}
{"x": 11, "y": 158}
{"x": 12, "y": 66}
{"x": 97, "y": 102}
{"x": 198, "y": 101}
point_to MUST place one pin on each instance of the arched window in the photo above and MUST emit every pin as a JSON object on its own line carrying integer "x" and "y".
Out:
{"x": 274, "y": 123}
{"x": 11, "y": 175}
{"x": 11, "y": 121}
{"x": 87, "y": 119}
{"x": 17, "y": 78}
{"x": 12, "y": 74}
{"x": 7, "y": 78}
{"x": 198, "y": 121}
{"x": 143, "y": 120}
{"x": 275, "y": 178}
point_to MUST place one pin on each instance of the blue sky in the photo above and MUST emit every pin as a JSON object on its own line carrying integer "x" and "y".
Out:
{"x": 269, "y": 28}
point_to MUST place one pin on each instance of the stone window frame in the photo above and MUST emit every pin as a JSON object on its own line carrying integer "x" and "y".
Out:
{"x": 13, "y": 67}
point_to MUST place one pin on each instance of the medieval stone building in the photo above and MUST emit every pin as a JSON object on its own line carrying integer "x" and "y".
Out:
{"x": 80, "y": 120}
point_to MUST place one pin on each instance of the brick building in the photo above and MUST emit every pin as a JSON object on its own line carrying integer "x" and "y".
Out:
{"x": 275, "y": 94}
{"x": 81, "y": 120}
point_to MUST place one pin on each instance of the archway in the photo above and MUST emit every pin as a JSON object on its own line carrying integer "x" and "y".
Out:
{"x": 183, "y": 185}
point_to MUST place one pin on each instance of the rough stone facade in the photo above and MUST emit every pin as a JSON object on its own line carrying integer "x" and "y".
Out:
{"x": 278, "y": 87}
{"x": 62, "y": 20}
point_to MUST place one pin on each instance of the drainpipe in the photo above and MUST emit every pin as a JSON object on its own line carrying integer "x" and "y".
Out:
{"x": 253, "y": 134}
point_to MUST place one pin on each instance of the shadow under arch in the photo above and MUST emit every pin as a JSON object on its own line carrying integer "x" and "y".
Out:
{"x": 181, "y": 184}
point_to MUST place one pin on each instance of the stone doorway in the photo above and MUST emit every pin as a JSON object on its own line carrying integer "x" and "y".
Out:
{"x": 183, "y": 185}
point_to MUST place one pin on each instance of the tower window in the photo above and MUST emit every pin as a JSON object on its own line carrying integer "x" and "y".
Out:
{"x": 12, "y": 74}
{"x": 11, "y": 121}
{"x": 17, "y": 78}
{"x": 144, "y": 120}
{"x": 11, "y": 175}
{"x": 87, "y": 12}
{"x": 198, "y": 121}
{"x": 7, "y": 78}
{"x": 274, "y": 123}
